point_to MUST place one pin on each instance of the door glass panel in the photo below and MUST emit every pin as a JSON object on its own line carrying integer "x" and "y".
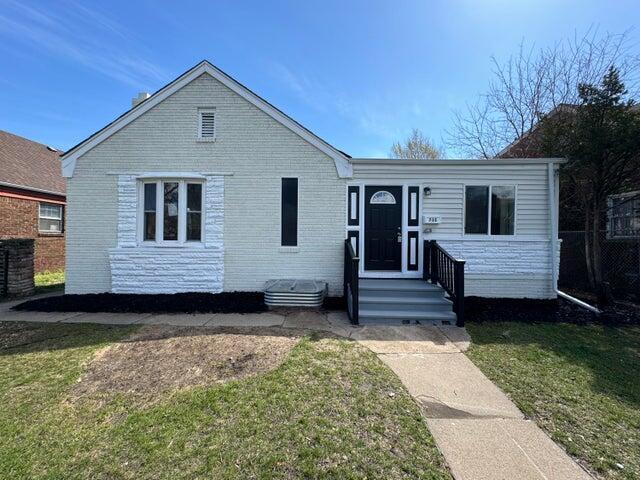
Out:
{"x": 383, "y": 197}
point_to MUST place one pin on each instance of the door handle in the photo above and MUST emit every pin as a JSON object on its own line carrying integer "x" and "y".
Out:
{"x": 399, "y": 237}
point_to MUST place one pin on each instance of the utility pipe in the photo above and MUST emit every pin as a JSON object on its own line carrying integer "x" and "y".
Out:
{"x": 553, "y": 216}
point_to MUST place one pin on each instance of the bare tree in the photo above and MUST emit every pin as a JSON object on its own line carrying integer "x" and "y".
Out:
{"x": 534, "y": 82}
{"x": 416, "y": 146}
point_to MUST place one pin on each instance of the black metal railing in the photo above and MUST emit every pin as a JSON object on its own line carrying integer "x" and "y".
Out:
{"x": 441, "y": 268}
{"x": 351, "y": 272}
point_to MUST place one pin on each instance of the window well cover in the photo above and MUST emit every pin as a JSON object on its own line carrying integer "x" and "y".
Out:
{"x": 287, "y": 292}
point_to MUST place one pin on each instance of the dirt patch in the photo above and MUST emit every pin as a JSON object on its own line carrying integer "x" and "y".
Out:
{"x": 158, "y": 359}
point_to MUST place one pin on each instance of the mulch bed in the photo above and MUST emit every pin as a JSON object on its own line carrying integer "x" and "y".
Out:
{"x": 479, "y": 309}
{"x": 226, "y": 302}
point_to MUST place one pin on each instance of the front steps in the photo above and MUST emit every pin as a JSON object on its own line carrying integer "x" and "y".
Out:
{"x": 401, "y": 302}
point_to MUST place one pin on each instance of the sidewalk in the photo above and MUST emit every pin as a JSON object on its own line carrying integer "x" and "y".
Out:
{"x": 481, "y": 433}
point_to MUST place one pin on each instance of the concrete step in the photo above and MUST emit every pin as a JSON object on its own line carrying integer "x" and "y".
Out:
{"x": 378, "y": 284}
{"x": 405, "y": 302}
{"x": 376, "y": 315}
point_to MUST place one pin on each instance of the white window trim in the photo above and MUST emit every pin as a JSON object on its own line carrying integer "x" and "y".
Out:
{"x": 182, "y": 213}
{"x": 489, "y": 234}
{"x": 47, "y": 217}
{"x": 205, "y": 110}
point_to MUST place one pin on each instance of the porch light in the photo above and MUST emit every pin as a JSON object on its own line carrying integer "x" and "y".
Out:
{"x": 427, "y": 191}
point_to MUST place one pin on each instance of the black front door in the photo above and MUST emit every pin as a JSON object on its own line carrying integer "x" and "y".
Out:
{"x": 382, "y": 228}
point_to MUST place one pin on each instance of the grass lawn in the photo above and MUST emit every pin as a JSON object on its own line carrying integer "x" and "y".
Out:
{"x": 580, "y": 383}
{"x": 330, "y": 409}
{"x": 47, "y": 281}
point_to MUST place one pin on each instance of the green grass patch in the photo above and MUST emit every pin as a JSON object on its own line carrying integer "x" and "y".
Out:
{"x": 579, "y": 383}
{"x": 331, "y": 410}
{"x": 47, "y": 281}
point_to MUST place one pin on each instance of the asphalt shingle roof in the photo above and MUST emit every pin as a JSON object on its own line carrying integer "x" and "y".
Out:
{"x": 30, "y": 164}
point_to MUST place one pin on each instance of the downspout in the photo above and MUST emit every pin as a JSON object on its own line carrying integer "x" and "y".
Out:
{"x": 553, "y": 216}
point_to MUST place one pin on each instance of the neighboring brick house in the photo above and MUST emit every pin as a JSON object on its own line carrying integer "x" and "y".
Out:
{"x": 33, "y": 198}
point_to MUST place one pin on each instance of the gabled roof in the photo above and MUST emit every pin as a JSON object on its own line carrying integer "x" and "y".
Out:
{"x": 70, "y": 157}
{"x": 29, "y": 165}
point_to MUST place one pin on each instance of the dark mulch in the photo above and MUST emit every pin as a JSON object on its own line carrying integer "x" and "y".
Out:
{"x": 226, "y": 302}
{"x": 334, "y": 303}
{"x": 479, "y": 309}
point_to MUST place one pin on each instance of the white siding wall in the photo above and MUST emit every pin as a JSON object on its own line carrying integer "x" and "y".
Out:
{"x": 501, "y": 266}
{"x": 249, "y": 144}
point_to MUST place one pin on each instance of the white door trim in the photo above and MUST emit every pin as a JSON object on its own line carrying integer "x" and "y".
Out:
{"x": 404, "y": 272}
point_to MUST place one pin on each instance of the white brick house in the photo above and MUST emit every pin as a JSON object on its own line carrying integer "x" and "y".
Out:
{"x": 205, "y": 186}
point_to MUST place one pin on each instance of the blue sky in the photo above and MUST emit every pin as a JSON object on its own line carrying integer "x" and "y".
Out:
{"x": 361, "y": 74}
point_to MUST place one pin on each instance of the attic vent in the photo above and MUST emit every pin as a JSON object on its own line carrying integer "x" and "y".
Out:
{"x": 207, "y": 124}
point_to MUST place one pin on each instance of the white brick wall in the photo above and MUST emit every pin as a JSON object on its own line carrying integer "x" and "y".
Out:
{"x": 257, "y": 150}
{"x": 148, "y": 269}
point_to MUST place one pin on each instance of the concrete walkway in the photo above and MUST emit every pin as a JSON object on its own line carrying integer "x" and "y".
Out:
{"x": 480, "y": 432}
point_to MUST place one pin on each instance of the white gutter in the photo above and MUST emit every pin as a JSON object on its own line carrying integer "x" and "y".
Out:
{"x": 553, "y": 215}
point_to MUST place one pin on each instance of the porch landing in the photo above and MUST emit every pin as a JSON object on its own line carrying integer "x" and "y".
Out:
{"x": 401, "y": 302}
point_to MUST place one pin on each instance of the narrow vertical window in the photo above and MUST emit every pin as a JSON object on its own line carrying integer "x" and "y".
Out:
{"x": 170, "y": 211}
{"x": 503, "y": 202}
{"x": 149, "y": 228}
{"x": 289, "y": 212}
{"x": 476, "y": 209}
{"x": 194, "y": 211}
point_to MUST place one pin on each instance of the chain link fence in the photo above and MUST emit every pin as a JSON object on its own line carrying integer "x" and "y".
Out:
{"x": 620, "y": 264}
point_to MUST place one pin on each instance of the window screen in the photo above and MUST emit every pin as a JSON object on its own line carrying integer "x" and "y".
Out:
{"x": 149, "y": 228}
{"x": 170, "y": 227}
{"x": 503, "y": 202}
{"x": 476, "y": 209}
{"x": 194, "y": 211}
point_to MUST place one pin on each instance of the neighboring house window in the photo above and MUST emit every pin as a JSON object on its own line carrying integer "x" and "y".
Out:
{"x": 50, "y": 218}
{"x": 289, "y": 213}
{"x": 174, "y": 216}
{"x": 623, "y": 215}
{"x": 489, "y": 209}
{"x": 206, "y": 123}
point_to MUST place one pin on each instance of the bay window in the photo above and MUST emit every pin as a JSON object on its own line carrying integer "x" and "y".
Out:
{"x": 489, "y": 209}
{"x": 171, "y": 211}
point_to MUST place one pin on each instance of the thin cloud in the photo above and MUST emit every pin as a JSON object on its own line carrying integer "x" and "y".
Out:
{"x": 93, "y": 43}
{"x": 386, "y": 116}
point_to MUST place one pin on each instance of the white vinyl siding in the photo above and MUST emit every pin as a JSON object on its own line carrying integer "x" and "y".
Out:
{"x": 447, "y": 191}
